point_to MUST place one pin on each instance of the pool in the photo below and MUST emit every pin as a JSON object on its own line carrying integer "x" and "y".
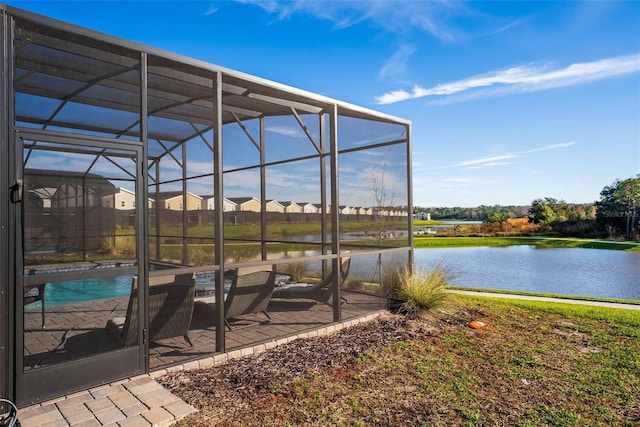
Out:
{"x": 74, "y": 291}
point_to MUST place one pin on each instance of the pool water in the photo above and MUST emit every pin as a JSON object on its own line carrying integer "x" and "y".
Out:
{"x": 74, "y": 291}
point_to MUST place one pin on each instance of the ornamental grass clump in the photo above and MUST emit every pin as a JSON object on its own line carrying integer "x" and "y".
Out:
{"x": 425, "y": 290}
{"x": 297, "y": 271}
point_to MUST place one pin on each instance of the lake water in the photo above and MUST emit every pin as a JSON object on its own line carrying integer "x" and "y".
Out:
{"x": 568, "y": 271}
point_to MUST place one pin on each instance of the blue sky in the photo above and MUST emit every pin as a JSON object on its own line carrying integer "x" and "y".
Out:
{"x": 510, "y": 101}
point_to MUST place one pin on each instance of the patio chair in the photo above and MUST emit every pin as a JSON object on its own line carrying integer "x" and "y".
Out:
{"x": 249, "y": 294}
{"x": 33, "y": 294}
{"x": 320, "y": 292}
{"x": 171, "y": 299}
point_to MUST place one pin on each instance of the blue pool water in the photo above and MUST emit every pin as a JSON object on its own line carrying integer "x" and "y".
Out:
{"x": 98, "y": 288}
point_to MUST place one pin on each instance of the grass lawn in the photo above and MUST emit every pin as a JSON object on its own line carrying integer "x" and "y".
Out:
{"x": 536, "y": 364}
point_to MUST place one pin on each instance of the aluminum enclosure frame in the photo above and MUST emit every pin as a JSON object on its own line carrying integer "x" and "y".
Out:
{"x": 233, "y": 98}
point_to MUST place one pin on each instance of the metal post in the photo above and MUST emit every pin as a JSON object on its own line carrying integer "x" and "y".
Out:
{"x": 409, "y": 198}
{"x": 142, "y": 209}
{"x": 335, "y": 212}
{"x": 263, "y": 192}
{"x": 6, "y": 297}
{"x": 185, "y": 246}
{"x": 323, "y": 185}
{"x": 218, "y": 206}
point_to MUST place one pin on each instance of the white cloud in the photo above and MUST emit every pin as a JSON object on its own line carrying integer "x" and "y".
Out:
{"x": 397, "y": 64}
{"x": 490, "y": 164}
{"x": 212, "y": 9}
{"x": 286, "y": 131}
{"x": 436, "y": 18}
{"x": 551, "y": 147}
{"x": 497, "y": 160}
{"x": 525, "y": 79}
{"x": 486, "y": 160}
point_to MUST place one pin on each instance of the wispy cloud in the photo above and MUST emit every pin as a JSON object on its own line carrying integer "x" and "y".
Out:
{"x": 397, "y": 64}
{"x": 486, "y": 160}
{"x": 498, "y": 160}
{"x": 212, "y": 9}
{"x": 437, "y": 18}
{"x": 286, "y": 131}
{"x": 525, "y": 79}
{"x": 550, "y": 147}
{"x": 489, "y": 165}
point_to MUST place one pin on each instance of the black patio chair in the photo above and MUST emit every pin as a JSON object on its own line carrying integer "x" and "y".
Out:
{"x": 249, "y": 294}
{"x": 33, "y": 294}
{"x": 171, "y": 299}
{"x": 320, "y": 292}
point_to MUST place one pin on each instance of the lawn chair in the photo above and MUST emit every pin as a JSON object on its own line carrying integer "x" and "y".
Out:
{"x": 171, "y": 299}
{"x": 249, "y": 294}
{"x": 320, "y": 292}
{"x": 33, "y": 294}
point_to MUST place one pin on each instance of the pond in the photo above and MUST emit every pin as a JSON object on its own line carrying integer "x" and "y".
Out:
{"x": 568, "y": 271}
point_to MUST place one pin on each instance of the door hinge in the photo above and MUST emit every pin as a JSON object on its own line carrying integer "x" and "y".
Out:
{"x": 144, "y": 336}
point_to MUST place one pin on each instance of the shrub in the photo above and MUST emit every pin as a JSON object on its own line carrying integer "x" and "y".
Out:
{"x": 297, "y": 271}
{"x": 425, "y": 290}
{"x": 119, "y": 246}
{"x": 391, "y": 279}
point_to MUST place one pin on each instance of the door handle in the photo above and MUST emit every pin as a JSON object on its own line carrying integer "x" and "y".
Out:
{"x": 15, "y": 192}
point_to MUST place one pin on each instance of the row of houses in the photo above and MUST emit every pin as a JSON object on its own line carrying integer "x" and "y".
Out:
{"x": 124, "y": 199}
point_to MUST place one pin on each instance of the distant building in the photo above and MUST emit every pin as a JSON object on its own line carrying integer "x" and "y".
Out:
{"x": 291, "y": 207}
{"x": 274, "y": 206}
{"x": 423, "y": 216}
{"x": 309, "y": 208}
{"x": 318, "y": 206}
{"x": 208, "y": 203}
{"x": 175, "y": 201}
{"x": 123, "y": 200}
{"x": 250, "y": 204}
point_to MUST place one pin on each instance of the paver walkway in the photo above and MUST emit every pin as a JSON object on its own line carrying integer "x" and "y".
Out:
{"x": 141, "y": 401}
{"x": 550, "y": 299}
{"x": 138, "y": 401}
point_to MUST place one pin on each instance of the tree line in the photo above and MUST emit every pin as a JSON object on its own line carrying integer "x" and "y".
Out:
{"x": 616, "y": 214}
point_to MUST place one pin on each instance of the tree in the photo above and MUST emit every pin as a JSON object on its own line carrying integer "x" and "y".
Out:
{"x": 542, "y": 211}
{"x": 499, "y": 217}
{"x": 381, "y": 201}
{"x": 628, "y": 196}
{"x": 619, "y": 207}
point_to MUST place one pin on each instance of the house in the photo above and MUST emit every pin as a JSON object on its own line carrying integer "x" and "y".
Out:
{"x": 318, "y": 206}
{"x": 365, "y": 211}
{"x": 274, "y": 206}
{"x": 291, "y": 207}
{"x": 175, "y": 201}
{"x": 208, "y": 203}
{"x": 123, "y": 199}
{"x": 309, "y": 208}
{"x": 250, "y": 204}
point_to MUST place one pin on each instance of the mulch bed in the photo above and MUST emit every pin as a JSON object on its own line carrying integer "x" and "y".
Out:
{"x": 225, "y": 392}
